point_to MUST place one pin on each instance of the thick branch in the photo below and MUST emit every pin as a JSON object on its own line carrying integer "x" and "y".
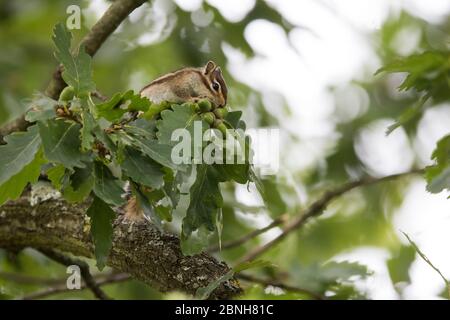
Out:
{"x": 138, "y": 248}
{"x": 317, "y": 208}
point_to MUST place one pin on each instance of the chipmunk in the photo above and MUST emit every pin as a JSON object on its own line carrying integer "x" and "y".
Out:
{"x": 184, "y": 85}
{"x": 189, "y": 85}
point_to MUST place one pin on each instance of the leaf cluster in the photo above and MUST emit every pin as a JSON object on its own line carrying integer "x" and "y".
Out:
{"x": 94, "y": 150}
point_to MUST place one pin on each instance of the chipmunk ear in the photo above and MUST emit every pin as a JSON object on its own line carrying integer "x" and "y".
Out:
{"x": 209, "y": 67}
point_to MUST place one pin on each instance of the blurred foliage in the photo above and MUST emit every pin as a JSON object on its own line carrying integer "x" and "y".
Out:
{"x": 164, "y": 38}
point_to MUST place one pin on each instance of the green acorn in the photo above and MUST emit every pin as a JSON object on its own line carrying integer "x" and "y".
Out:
{"x": 222, "y": 128}
{"x": 218, "y": 124}
{"x": 221, "y": 113}
{"x": 193, "y": 106}
{"x": 208, "y": 117}
{"x": 67, "y": 94}
{"x": 205, "y": 105}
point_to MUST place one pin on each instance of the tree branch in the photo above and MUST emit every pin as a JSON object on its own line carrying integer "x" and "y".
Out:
{"x": 139, "y": 249}
{"x": 62, "y": 287}
{"x": 84, "y": 269}
{"x": 317, "y": 208}
{"x": 111, "y": 19}
{"x": 248, "y": 236}
{"x": 268, "y": 282}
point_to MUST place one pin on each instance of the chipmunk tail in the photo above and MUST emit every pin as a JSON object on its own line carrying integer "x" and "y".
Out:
{"x": 133, "y": 211}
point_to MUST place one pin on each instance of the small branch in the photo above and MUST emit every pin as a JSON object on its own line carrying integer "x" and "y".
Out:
{"x": 249, "y": 236}
{"x": 18, "y": 124}
{"x": 26, "y": 279}
{"x": 425, "y": 258}
{"x": 61, "y": 287}
{"x": 99, "y": 96}
{"x": 317, "y": 208}
{"x": 84, "y": 268}
{"x": 267, "y": 282}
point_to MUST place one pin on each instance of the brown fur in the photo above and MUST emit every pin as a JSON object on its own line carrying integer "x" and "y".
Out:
{"x": 188, "y": 84}
{"x": 133, "y": 211}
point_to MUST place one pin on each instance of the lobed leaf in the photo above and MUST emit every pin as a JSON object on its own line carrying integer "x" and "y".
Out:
{"x": 102, "y": 217}
{"x": 121, "y": 103}
{"x": 41, "y": 108}
{"x": 142, "y": 169}
{"x": 205, "y": 201}
{"x": 77, "y": 67}
{"x": 106, "y": 186}
{"x": 13, "y": 187}
{"x": 19, "y": 151}
{"x": 61, "y": 141}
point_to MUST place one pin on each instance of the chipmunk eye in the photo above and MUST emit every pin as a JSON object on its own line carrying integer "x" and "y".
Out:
{"x": 216, "y": 86}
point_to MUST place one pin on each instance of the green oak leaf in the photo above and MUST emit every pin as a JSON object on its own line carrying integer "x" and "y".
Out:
{"x": 121, "y": 103}
{"x": 106, "y": 186}
{"x": 13, "y": 187}
{"x": 439, "y": 179}
{"x": 77, "y": 67}
{"x": 20, "y": 150}
{"x": 161, "y": 153}
{"x": 80, "y": 184}
{"x": 205, "y": 201}
{"x": 41, "y": 107}
{"x": 142, "y": 127}
{"x": 234, "y": 119}
{"x": 420, "y": 69}
{"x": 438, "y": 175}
{"x": 180, "y": 117}
{"x": 142, "y": 169}
{"x": 146, "y": 206}
{"x": 238, "y": 172}
{"x": 56, "y": 174}
{"x": 102, "y": 217}
{"x": 160, "y": 203}
{"x": 61, "y": 141}
{"x": 86, "y": 133}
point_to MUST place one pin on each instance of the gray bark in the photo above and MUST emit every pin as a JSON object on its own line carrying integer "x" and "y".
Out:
{"x": 139, "y": 249}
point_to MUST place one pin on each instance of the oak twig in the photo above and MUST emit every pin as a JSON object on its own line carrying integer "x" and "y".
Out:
{"x": 279, "y": 284}
{"x": 84, "y": 269}
{"x": 61, "y": 287}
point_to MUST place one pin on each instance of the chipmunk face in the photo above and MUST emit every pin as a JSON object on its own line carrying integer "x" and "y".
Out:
{"x": 216, "y": 83}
